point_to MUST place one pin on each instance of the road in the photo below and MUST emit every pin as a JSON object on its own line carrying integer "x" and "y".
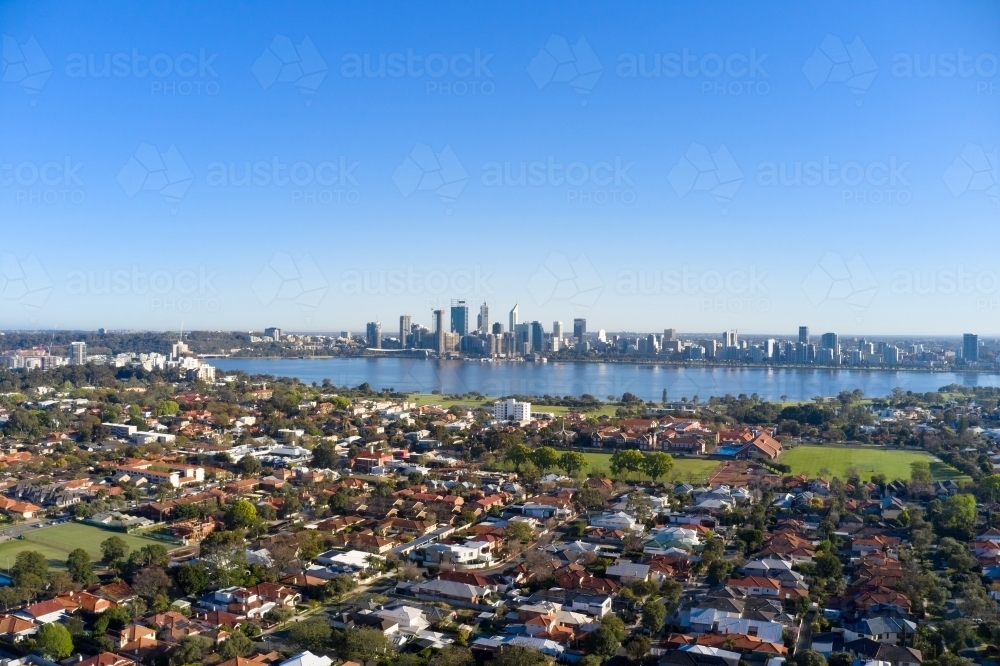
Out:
{"x": 805, "y": 631}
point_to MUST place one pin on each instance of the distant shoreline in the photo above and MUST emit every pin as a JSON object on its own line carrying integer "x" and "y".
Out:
{"x": 636, "y": 362}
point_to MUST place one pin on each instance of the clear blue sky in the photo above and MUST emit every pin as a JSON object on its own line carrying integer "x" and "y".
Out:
{"x": 661, "y": 144}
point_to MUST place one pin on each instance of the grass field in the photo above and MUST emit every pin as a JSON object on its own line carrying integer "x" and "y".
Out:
{"x": 838, "y": 459}
{"x": 56, "y": 542}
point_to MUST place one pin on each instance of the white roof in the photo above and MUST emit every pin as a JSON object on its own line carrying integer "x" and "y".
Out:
{"x": 307, "y": 658}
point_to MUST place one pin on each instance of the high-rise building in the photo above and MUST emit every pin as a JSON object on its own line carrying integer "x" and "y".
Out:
{"x": 459, "y": 317}
{"x": 273, "y": 332}
{"x": 830, "y": 341}
{"x": 890, "y": 355}
{"x": 669, "y": 334}
{"x": 557, "y": 329}
{"x": 78, "y": 353}
{"x": 373, "y": 335}
{"x": 970, "y": 348}
{"x": 579, "y": 329}
{"x": 404, "y": 330}
{"x": 439, "y": 331}
{"x": 537, "y": 337}
{"x": 731, "y": 339}
{"x": 803, "y": 335}
{"x": 497, "y": 328}
{"x": 483, "y": 321}
{"x": 511, "y": 410}
{"x": 512, "y": 318}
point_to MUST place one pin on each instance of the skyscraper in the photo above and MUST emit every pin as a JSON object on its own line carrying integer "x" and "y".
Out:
{"x": 483, "y": 322}
{"x": 439, "y": 331}
{"x": 579, "y": 329}
{"x": 669, "y": 334}
{"x": 970, "y": 348}
{"x": 557, "y": 329}
{"x": 273, "y": 332}
{"x": 537, "y": 336}
{"x": 512, "y": 323}
{"x": 829, "y": 341}
{"x": 730, "y": 339}
{"x": 404, "y": 330}
{"x": 373, "y": 335}
{"x": 497, "y": 328}
{"x": 803, "y": 335}
{"x": 459, "y": 317}
{"x": 78, "y": 353}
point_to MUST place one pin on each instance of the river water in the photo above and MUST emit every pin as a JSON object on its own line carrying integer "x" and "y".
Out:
{"x": 599, "y": 379}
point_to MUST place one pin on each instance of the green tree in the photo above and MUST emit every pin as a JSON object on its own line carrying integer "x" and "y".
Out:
{"x": 625, "y": 462}
{"x": 616, "y": 625}
{"x": 190, "y": 650}
{"x": 920, "y": 472}
{"x": 518, "y": 655}
{"x": 29, "y": 563}
{"x": 224, "y": 553}
{"x": 637, "y": 647}
{"x": 114, "y": 550}
{"x": 572, "y": 462}
{"x": 241, "y": 514}
{"x": 150, "y": 582}
{"x": 602, "y": 641}
{"x": 55, "y": 640}
{"x": 325, "y": 456}
{"x": 79, "y": 567}
{"x": 518, "y": 530}
{"x": 312, "y": 634}
{"x": 653, "y": 615}
{"x": 517, "y": 455}
{"x": 249, "y": 466}
{"x": 453, "y": 656}
{"x": 828, "y": 565}
{"x": 807, "y": 658}
{"x": 544, "y": 458}
{"x": 192, "y": 578}
{"x": 989, "y": 488}
{"x": 657, "y": 464}
{"x": 365, "y": 645}
{"x": 959, "y": 512}
{"x": 237, "y": 645}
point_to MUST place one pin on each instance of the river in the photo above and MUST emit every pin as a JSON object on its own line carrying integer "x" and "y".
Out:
{"x": 599, "y": 379}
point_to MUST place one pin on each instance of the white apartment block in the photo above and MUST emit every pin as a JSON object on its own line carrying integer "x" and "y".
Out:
{"x": 511, "y": 410}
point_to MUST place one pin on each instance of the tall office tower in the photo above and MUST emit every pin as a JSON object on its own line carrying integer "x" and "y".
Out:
{"x": 537, "y": 336}
{"x": 497, "y": 328}
{"x": 669, "y": 334}
{"x": 512, "y": 318}
{"x": 459, "y": 317}
{"x": 557, "y": 329}
{"x": 731, "y": 339}
{"x": 579, "y": 329}
{"x": 404, "y": 330}
{"x": 439, "y": 331}
{"x": 789, "y": 355}
{"x": 803, "y": 335}
{"x": 830, "y": 341}
{"x": 373, "y": 335}
{"x": 770, "y": 348}
{"x": 970, "y": 347}
{"x": 274, "y": 333}
{"x": 78, "y": 353}
{"x": 483, "y": 321}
